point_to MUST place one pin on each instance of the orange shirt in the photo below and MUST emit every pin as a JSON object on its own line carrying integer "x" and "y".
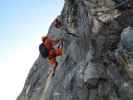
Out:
{"x": 53, "y": 53}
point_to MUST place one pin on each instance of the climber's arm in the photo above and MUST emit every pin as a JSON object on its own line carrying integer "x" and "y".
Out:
{"x": 59, "y": 49}
{"x": 59, "y": 52}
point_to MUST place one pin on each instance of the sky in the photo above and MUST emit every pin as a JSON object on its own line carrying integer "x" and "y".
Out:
{"x": 22, "y": 23}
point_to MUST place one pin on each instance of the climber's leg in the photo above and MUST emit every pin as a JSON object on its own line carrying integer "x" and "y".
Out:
{"x": 54, "y": 68}
{"x": 54, "y": 64}
{"x": 50, "y": 70}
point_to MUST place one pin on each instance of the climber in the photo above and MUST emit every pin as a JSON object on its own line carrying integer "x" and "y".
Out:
{"x": 122, "y": 4}
{"x": 47, "y": 50}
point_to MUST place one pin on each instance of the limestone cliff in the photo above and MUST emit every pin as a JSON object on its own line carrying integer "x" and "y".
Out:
{"x": 91, "y": 67}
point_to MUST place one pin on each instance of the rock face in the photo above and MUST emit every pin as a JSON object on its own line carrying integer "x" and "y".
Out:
{"x": 93, "y": 66}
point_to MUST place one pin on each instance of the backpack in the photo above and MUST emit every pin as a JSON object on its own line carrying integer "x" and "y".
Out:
{"x": 43, "y": 50}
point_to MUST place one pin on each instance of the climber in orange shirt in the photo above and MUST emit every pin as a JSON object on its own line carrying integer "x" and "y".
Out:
{"x": 53, "y": 52}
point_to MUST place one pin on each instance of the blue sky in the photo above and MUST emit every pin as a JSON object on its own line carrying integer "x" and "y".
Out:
{"x": 22, "y": 20}
{"x": 22, "y": 23}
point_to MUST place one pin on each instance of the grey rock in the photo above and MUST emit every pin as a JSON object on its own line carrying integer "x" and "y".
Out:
{"x": 91, "y": 67}
{"x": 127, "y": 39}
